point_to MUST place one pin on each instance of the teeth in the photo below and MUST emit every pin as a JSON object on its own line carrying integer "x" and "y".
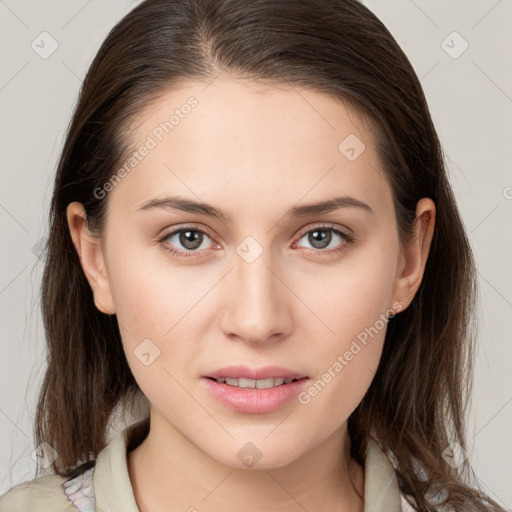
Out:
{"x": 258, "y": 384}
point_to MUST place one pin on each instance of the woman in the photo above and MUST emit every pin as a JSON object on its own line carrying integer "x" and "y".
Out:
{"x": 211, "y": 141}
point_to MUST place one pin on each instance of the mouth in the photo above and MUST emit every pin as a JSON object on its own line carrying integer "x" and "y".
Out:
{"x": 268, "y": 383}
{"x": 262, "y": 395}
{"x": 247, "y": 377}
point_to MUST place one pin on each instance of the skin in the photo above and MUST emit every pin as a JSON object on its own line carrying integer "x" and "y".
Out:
{"x": 253, "y": 151}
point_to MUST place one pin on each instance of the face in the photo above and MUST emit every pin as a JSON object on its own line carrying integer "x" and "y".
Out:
{"x": 268, "y": 283}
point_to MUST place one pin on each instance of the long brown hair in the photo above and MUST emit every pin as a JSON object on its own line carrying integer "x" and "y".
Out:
{"x": 417, "y": 403}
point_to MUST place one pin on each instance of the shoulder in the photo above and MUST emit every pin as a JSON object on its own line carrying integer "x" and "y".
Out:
{"x": 41, "y": 494}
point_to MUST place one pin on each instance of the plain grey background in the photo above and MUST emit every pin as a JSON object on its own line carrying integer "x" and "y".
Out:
{"x": 461, "y": 51}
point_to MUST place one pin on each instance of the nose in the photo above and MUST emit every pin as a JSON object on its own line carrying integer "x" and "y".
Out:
{"x": 260, "y": 302}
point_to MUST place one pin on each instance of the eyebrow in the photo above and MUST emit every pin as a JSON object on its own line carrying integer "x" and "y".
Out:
{"x": 187, "y": 205}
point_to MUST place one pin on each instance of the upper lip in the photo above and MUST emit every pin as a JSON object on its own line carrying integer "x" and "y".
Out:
{"x": 266, "y": 372}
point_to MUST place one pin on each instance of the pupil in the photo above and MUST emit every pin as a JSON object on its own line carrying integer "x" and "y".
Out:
{"x": 323, "y": 235}
{"x": 190, "y": 239}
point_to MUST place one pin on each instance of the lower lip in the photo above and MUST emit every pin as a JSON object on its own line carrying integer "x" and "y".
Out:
{"x": 252, "y": 400}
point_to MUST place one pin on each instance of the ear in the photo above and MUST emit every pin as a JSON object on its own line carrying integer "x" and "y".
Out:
{"x": 414, "y": 254}
{"x": 90, "y": 253}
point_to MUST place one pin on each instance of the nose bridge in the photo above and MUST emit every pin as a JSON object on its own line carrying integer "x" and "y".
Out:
{"x": 255, "y": 279}
{"x": 258, "y": 306}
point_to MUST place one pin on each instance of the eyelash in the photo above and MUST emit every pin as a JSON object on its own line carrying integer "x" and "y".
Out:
{"x": 348, "y": 240}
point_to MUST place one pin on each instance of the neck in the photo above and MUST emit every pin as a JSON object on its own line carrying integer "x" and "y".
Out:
{"x": 168, "y": 472}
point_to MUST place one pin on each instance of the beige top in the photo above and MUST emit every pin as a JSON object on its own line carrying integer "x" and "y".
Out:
{"x": 108, "y": 483}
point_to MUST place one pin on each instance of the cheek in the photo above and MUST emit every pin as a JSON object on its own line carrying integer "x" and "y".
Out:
{"x": 351, "y": 295}
{"x": 353, "y": 304}
{"x": 141, "y": 295}
{"x": 347, "y": 375}
{"x": 149, "y": 308}
{"x": 156, "y": 311}
{"x": 347, "y": 360}
{"x": 143, "y": 286}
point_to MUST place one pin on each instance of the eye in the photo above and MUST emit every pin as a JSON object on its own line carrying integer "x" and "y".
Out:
{"x": 321, "y": 236}
{"x": 190, "y": 238}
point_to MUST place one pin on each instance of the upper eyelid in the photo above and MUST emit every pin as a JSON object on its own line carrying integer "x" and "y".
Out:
{"x": 173, "y": 231}
{"x": 300, "y": 234}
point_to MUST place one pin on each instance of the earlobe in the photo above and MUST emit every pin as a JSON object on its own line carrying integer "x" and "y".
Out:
{"x": 413, "y": 257}
{"x": 91, "y": 257}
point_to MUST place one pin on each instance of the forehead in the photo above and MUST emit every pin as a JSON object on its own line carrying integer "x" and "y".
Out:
{"x": 248, "y": 108}
{"x": 242, "y": 141}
